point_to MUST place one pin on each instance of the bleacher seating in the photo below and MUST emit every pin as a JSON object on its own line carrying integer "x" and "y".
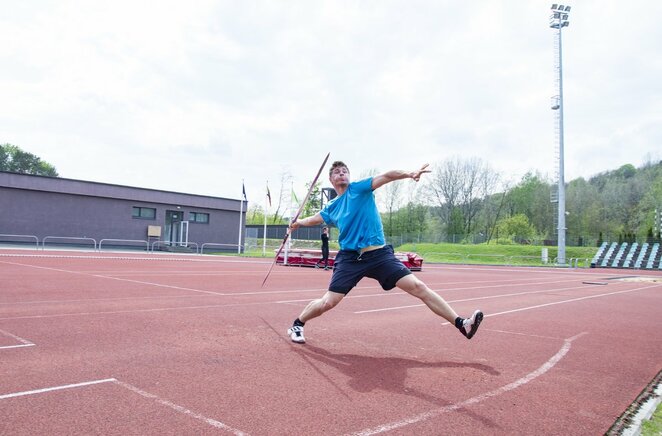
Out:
{"x": 628, "y": 257}
{"x": 642, "y": 255}
{"x": 598, "y": 254}
{"x": 624, "y": 255}
{"x": 619, "y": 255}
{"x": 653, "y": 256}
{"x": 608, "y": 254}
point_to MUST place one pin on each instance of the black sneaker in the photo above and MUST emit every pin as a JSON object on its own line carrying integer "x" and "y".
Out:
{"x": 470, "y": 325}
{"x": 296, "y": 334}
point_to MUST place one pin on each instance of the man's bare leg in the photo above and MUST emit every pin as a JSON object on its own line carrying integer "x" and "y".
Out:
{"x": 414, "y": 286}
{"x": 314, "y": 309}
{"x": 317, "y": 307}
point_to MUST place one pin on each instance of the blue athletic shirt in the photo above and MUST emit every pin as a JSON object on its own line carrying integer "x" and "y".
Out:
{"x": 356, "y": 216}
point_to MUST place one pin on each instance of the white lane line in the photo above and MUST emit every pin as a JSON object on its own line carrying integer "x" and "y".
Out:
{"x": 160, "y": 285}
{"x": 56, "y": 388}
{"x": 477, "y": 399}
{"x": 173, "y": 259}
{"x": 24, "y": 342}
{"x": 158, "y": 297}
{"x": 515, "y": 294}
{"x": 529, "y": 335}
{"x": 482, "y": 287}
{"x": 118, "y": 312}
{"x": 82, "y": 273}
{"x": 215, "y": 306}
{"x": 6, "y": 347}
{"x": 180, "y": 409}
{"x": 569, "y": 301}
{"x": 173, "y": 406}
{"x": 512, "y": 294}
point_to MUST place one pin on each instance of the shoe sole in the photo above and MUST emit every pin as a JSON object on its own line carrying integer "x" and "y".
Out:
{"x": 474, "y": 327}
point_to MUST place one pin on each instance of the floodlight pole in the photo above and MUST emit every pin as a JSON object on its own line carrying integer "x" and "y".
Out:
{"x": 559, "y": 20}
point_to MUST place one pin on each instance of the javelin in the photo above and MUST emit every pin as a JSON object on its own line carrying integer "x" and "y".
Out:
{"x": 303, "y": 203}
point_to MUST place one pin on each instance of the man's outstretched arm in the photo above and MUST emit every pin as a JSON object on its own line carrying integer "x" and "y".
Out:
{"x": 312, "y": 220}
{"x": 393, "y": 175}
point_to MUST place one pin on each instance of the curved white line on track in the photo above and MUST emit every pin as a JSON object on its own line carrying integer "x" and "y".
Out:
{"x": 477, "y": 399}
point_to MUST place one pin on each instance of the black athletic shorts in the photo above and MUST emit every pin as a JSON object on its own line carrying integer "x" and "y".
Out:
{"x": 349, "y": 267}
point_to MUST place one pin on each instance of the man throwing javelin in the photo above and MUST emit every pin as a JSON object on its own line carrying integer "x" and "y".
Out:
{"x": 363, "y": 252}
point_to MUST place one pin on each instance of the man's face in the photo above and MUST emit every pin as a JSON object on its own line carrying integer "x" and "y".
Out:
{"x": 339, "y": 177}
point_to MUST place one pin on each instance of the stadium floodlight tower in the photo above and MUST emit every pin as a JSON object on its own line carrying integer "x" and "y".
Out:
{"x": 558, "y": 20}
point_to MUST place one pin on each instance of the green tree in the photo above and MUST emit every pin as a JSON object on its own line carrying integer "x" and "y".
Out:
{"x": 15, "y": 160}
{"x": 516, "y": 226}
{"x": 313, "y": 205}
{"x": 456, "y": 225}
{"x": 532, "y": 197}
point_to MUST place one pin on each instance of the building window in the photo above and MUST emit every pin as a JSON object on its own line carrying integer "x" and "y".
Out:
{"x": 147, "y": 213}
{"x": 198, "y": 217}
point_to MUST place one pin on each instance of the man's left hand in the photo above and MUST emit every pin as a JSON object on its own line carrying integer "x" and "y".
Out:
{"x": 416, "y": 175}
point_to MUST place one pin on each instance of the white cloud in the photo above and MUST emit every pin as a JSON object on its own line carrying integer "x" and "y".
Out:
{"x": 196, "y": 97}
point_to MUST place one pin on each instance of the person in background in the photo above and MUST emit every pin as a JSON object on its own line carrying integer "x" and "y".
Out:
{"x": 325, "y": 249}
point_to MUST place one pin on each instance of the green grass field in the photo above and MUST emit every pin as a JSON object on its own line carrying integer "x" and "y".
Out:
{"x": 496, "y": 254}
{"x": 530, "y": 255}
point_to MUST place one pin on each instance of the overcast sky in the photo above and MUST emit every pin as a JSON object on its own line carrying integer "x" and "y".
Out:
{"x": 196, "y": 96}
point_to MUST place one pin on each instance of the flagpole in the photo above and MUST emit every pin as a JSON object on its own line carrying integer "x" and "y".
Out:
{"x": 264, "y": 233}
{"x": 241, "y": 213}
{"x": 289, "y": 241}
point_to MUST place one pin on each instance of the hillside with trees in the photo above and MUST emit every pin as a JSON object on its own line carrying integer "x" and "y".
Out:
{"x": 462, "y": 206}
{"x": 464, "y": 201}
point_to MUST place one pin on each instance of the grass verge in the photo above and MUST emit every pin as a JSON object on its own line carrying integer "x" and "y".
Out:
{"x": 653, "y": 427}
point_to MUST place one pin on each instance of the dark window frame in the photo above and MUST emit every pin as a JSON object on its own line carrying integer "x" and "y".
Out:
{"x": 193, "y": 217}
{"x": 142, "y": 213}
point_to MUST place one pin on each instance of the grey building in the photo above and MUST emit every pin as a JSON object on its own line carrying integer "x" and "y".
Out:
{"x": 58, "y": 208}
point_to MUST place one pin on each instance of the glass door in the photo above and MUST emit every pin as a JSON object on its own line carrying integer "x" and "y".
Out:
{"x": 172, "y": 226}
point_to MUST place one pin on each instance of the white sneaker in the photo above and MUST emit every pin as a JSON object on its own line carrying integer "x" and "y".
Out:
{"x": 470, "y": 325}
{"x": 296, "y": 334}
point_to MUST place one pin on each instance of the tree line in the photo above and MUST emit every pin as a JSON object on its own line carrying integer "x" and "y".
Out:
{"x": 465, "y": 200}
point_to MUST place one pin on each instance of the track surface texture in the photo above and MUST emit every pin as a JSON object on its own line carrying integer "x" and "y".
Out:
{"x": 123, "y": 344}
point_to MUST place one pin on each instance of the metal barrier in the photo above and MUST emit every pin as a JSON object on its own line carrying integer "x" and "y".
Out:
{"x": 460, "y": 255}
{"x": 202, "y": 249}
{"x": 43, "y": 241}
{"x": 534, "y": 260}
{"x": 136, "y": 241}
{"x": 503, "y": 256}
{"x": 574, "y": 262}
{"x": 23, "y": 236}
{"x": 175, "y": 244}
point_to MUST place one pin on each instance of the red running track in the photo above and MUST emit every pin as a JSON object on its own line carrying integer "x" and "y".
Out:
{"x": 170, "y": 345}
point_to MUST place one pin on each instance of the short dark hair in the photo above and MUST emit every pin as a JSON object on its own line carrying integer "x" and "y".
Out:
{"x": 337, "y": 164}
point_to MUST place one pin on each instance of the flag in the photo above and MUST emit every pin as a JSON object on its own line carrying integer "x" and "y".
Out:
{"x": 268, "y": 195}
{"x": 243, "y": 190}
{"x": 294, "y": 198}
